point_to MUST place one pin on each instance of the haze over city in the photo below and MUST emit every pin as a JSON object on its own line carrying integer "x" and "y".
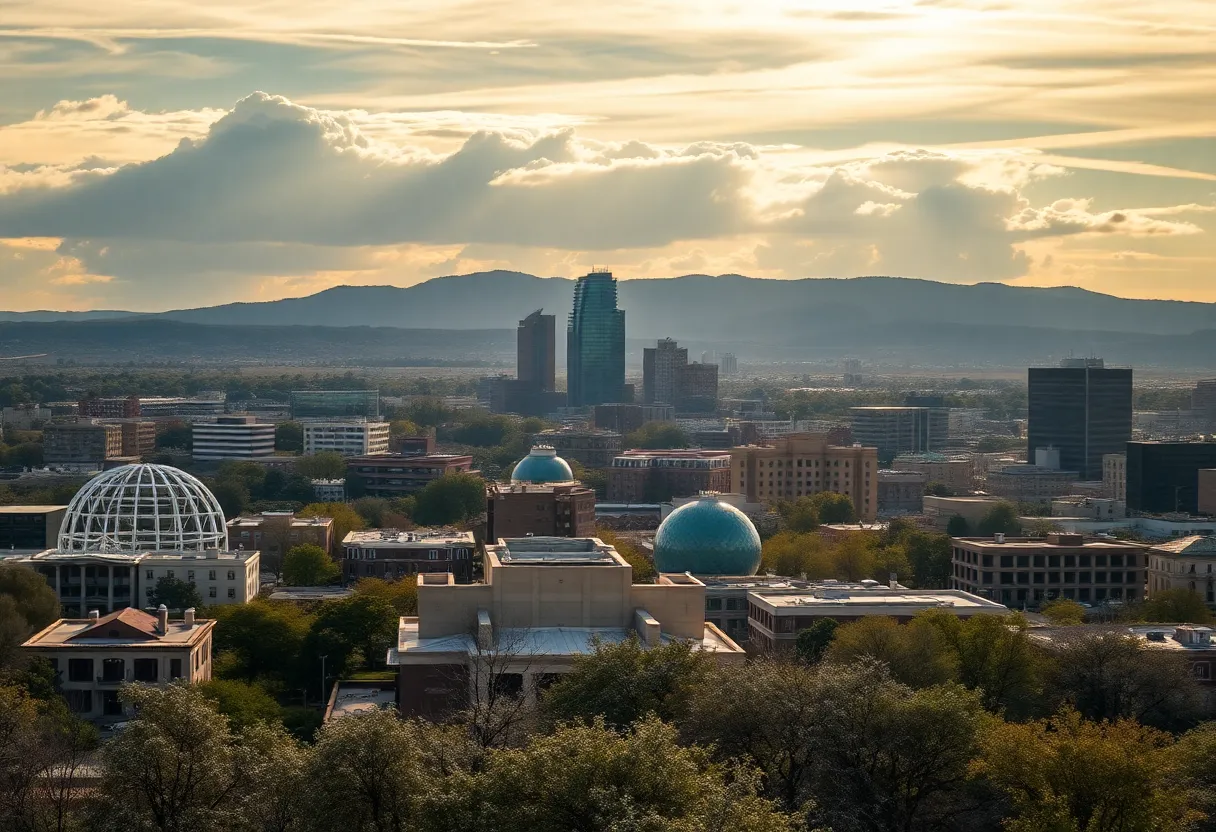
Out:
{"x": 189, "y": 154}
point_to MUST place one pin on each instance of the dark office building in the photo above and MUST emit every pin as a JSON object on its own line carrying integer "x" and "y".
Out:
{"x": 1083, "y": 409}
{"x": 536, "y": 351}
{"x": 595, "y": 343}
{"x": 1164, "y": 476}
{"x": 30, "y": 527}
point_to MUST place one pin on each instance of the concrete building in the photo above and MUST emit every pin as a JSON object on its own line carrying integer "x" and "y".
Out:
{"x": 955, "y": 471}
{"x": 1082, "y": 408}
{"x": 231, "y": 437}
{"x": 697, "y": 388}
{"x": 1114, "y": 476}
{"x": 422, "y": 445}
{"x": 594, "y": 448}
{"x": 775, "y": 616}
{"x": 390, "y": 554}
{"x": 563, "y": 509}
{"x": 94, "y": 655}
{"x": 655, "y": 476}
{"x": 138, "y": 437}
{"x": 109, "y": 407}
{"x": 24, "y": 416}
{"x": 30, "y": 527}
{"x": 329, "y": 491}
{"x": 1203, "y": 401}
{"x": 726, "y": 600}
{"x": 595, "y": 343}
{"x": 900, "y": 430}
{"x": 393, "y": 476}
{"x": 1029, "y": 483}
{"x": 660, "y": 364}
{"x": 275, "y": 532}
{"x": 803, "y": 464}
{"x": 168, "y": 408}
{"x": 542, "y": 603}
{"x": 1026, "y": 571}
{"x": 1185, "y": 563}
{"x": 338, "y": 405}
{"x": 84, "y": 445}
{"x": 729, "y": 364}
{"x": 626, "y": 418}
{"x": 353, "y": 438}
{"x": 1163, "y": 477}
{"x": 1096, "y": 508}
{"x": 901, "y": 492}
{"x": 941, "y": 510}
{"x": 1207, "y": 491}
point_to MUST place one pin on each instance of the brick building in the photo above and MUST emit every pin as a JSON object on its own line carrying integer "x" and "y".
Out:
{"x": 396, "y": 476}
{"x": 82, "y": 445}
{"x": 803, "y": 464}
{"x": 541, "y": 510}
{"x": 652, "y": 476}
{"x": 388, "y": 554}
{"x": 110, "y": 407}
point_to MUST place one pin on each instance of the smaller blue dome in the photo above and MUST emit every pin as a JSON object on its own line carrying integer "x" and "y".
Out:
{"x": 540, "y": 466}
{"x": 707, "y": 537}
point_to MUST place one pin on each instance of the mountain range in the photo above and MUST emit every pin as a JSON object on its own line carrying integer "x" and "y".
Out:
{"x": 774, "y": 319}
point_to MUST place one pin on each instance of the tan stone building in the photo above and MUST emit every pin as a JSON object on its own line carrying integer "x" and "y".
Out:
{"x": 275, "y": 532}
{"x": 94, "y": 656}
{"x": 84, "y": 445}
{"x": 1114, "y": 476}
{"x": 1207, "y": 491}
{"x": 803, "y": 464}
{"x": 1185, "y": 563}
{"x": 955, "y": 472}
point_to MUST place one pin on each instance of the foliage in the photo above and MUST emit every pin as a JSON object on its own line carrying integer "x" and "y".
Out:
{"x": 798, "y": 516}
{"x": 993, "y": 655}
{"x": 1177, "y": 606}
{"x": 350, "y": 633}
{"x": 813, "y": 642}
{"x": 176, "y": 594}
{"x": 174, "y": 434}
{"x": 658, "y": 435}
{"x": 309, "y": 565}
{"x": 1001, "y": 518}
{"x": 1063, "y": 612}
{"x": 326, "y": 465}
{"x": 243, "y": 703}
{"x": 939, "y": 489}
{"x": 832, "y": 507}
{"x": 997, "y": 444}
{"x": 916, "y": 653}
{"x": 958, "y": 526}
{"x": 289, "y": 436}
{"x": 260, "y": 641}
{"x": 622, "y": 683}
{"x": 453, "y": 498}
{"x": 643, "y": 566}
{"x": 346, "y": 519}
{"x": 401, "y": 594}
{"x": 1040, "y": 527}
{"x": 27, "y": 604}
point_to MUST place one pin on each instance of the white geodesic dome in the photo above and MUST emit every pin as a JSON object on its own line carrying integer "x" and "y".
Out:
{"x": 143, "y": 508}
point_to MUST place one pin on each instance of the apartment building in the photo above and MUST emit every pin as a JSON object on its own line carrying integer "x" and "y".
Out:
{"x": 85, "y": 445}
{"x": 803, "y": 464}
{"x": 275, "y": 532}
{"x": 392, "y": 476}
{"x": 390, "y": 554}
{"x": 653, "y": 476}
{"x": 353, "y": 438}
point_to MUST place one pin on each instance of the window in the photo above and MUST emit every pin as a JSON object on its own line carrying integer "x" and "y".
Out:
{"x": 113, "y": 670}
{"x": 111, "y": 705}
{"x": 713, "y": 603}
{"x": 231, "y": 592}
{"x": 80, "y": 701}
{"x": 175, "y": 668}
{"x": 169, "y": 573}
{"x": 211, "y": 592}
{"x": 232, "y": 574}
{"x": 211, "y": 575}
{"x": 80, "y": 670}
{"x": 147, "y": 670}
{"x": 190, "y": 575}
{"x": 148, "y": 574}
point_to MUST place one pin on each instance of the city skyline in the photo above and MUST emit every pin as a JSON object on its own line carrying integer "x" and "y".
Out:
{"x": 180, "y": 156}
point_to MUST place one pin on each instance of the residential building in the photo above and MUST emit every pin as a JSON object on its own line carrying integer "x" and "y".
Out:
{"x": 398, "y": 476}
{"x": 1114, "y": 476}
{"x": 166, "y": 408}
{"x": 655, "y": 476}
{"x": 697, "y": 388}
{"x": 901, "y": 492}
{"x": 274, "y": 533}
{"x": 109, "y": 407}
{"x": 729, "y": 364}
{"x": 1207, "y": 491}
{"x": 24, "y": 416}
{"x": 138, "y": 437}
{"x": 1163, "y": 477}
{"x": 900, "y": 430}
{"x": 1082, "y": 408}
{"x": 659, "y": 367}
{"x": 389, "y": 554}
{"x": 956, "y": 472}
{"x": 30, "y": 527}
{"x": 941, "y": 510}
{"x": 335, "y": 404}
{"x": 231, "y": 437}
{"x": 93, "y": 656}
{"x": 84, "y": 445}
{"x": 595, "y": 343}
{"x": 542, "y": 603}
{"x": 776, "y": 616}
{"x": 803, "y": 464}
{"x": 591, "y": 448}
{"x": 541, "y": 510}
{"x": 1029, "y": 483}
{"x": 1185, "y": 563}
{"x": 626, "y": 418}
{"x": 1026, "y": 571}
{"x": 352, "y": 438}
{"x": 329, "y": 491}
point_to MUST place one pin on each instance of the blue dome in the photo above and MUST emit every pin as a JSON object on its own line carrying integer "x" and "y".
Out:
{"x": 540, "y": 466}
{"x": 707, "y": 537}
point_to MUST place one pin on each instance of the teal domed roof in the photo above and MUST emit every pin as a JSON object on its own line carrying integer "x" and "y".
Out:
{"x": 707, "y": 537}
{"x": 540, "y": 466}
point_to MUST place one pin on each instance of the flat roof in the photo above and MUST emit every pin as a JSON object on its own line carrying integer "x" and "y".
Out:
{"x": 352, "y": 699}
{"x": 879, "y": 599}
{"x": 1166, "y": 641}
{"x": 259, "y": 520}
{"x": 1045, "y": 543}
{"x": 567, "y": 551}
{"x": 416, "y": 537}
{"x": 30, "y": 509}
{"x": 311, "y": 593}
{"x": 133, "y": 558}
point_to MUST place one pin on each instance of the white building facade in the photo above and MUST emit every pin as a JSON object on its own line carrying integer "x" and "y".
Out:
{"x": 350, "y": 439}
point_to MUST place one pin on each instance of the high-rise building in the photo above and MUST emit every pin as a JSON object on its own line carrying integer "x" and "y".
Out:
{"x": 231, "y": 437}
{"x": 1081, "y": 408}
{"x": 595, "y": 343}
{"x": 85, "y": 444}
{"x": 660, "y": 365}
{"x": 1164, "y": 476}
{"x": 697, "y": 388}
{"x": 728, "y": 364}
{"x": 1203, "y": 400}
{"x": 536, "y": 351}
{"x": 803, "y": 464}
{"x": 900, "y": 430}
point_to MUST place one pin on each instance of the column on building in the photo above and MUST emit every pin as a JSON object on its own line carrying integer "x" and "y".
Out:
{"x": 110, "y": 589}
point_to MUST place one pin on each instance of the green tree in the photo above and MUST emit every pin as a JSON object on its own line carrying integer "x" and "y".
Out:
{"x": 1177, "y": 606}
{"x": 289, "y": 436}
{"x": 794, "y": 555}
{"x": 402, "y": 594}
{"x": 994, "y": 656}
{"x": 916, "y": 653}
{"x": 353, "y": 631}
{"x": 175, "y": 435}
{"x": 621, "y": 683}
{"x": 833, "y": 508}
{"x": 243, "y": 703}
{"x": 1002, "y": 518}
{"x": 1063, "y": 612}
{"x": 939, "y": 489}
{"x": 309, "y": 565}
{"x": 643, "y": 566}
{"x": 453, "y": 498}
{"x": 326, "y": 465}
{"x": 958, "y": 526}
{"x": 658, "y": 435}
{"x": 260, "y": 641}
{"x": 346, "y": 519}
{"x": 233, "y": 497}
{"x": 813, "y": 642}
{"x": 27, "y": 604}
{"x": 175, "y": 594}
{"x": 798, "y": 516}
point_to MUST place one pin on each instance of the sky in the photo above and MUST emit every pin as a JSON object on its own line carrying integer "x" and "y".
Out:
{"x": 178, "y": 154}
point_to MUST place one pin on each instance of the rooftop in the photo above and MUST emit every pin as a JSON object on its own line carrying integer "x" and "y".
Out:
{"x": 275, "y": 516}
{"x": 879, "y": 599}
{"x": 563, "y": 551}
{"x": 355, "y": 698}
{"x": 1068, "y": 540}
{"x": 311, "y": 593}
{"x": 30, "y": 509}
{"x": 125, "y": 628}
{"x": 1191, "y": 545}
{"x": 394, "y": 537}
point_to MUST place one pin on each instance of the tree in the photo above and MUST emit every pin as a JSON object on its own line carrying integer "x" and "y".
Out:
{"x": 1068, "y": 773}
{"x": 916, "y": 653}
{"x": 799, "y": 516}
{"x": 233, "y": 497}
{"x": 260, "y": 641}
{"x": 326, "y": 465}
{"x": 346, "y": 519}
{"x": 622, "y": 683}
{"x": 643, "y": 566}
{"x": 176, "y": 594}
{"x": 813, "y": 642}
{"x": 1177, "y": 606}
{"x": 994, "y": 656}
{"x": 309, "y": 565}
{"x": 833, "y": 508}
{"x": 289, "y": 436}
{"x": 658, "y": 435}
{"x": 792, "y": 554}
{"x": 27, "y": 604}
{"x": 1040, "y": 527}
{"x": 930, "y": 557}
{"x": 176, "y": 434}
{"x": 403, "y": 427}
{"x": 402, "y": 594}
{"x": 1063, "y": 612}
{"x": 1002, "y": 518}
{"x": 958, "y": 526}
{"x": 244, "y": 704}
{"x": 453, "y": 498}
{"x": 360, "y": 628}
{"x": 939, "y": 489}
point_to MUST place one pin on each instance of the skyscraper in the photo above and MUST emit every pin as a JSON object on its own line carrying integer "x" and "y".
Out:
{"x": 660, "y": 364}
{"x": 1083, "y": 409}
{"x": 595, "y": 343}
{"x": 536, "y": 351}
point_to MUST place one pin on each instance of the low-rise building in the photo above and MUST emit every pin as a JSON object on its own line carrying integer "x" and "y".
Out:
{"x": 956, "y": 472}
{"x": 804, "y": 464}
{"x": 94, "y": 655}
{"x": 84, "y": 445}
{"x": 1114, "y": 476}
{"x": 25, "y": 416}
{"x": 543, "y": 602}
{"x": 231, "y": 437}
{"x": 30, "y": 527}
{"x": 1185, "y": 563}
{"x": 1207, "y": 491}
{"x": 539, "y": 509}
{"x": 275, "y": 532}
{"x": 901, "y": 492}
{"x": 329, "y": 491}
{"x": 941, "y": 510}
{"x": 399, "y": 476}
{"x": 1026, "y": 571}
{"x": 1094, "y": 508}
{"x": 109, "y": 407}
{"x": 138, "y": 437}
{"x": 1029, "y": 483}
{"x": 389, "y": 553}
{"x": 171, "y": 408}
{"x": 656, "y": 476}
{"x": 591, "y": 448}
{"x": 350, "y": 438}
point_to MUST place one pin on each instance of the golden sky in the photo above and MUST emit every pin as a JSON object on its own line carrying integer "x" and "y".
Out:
{"x": 176, "y": 154}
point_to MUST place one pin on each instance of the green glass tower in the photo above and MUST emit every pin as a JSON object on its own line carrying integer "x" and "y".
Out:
{"x": 595, "y": 343}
